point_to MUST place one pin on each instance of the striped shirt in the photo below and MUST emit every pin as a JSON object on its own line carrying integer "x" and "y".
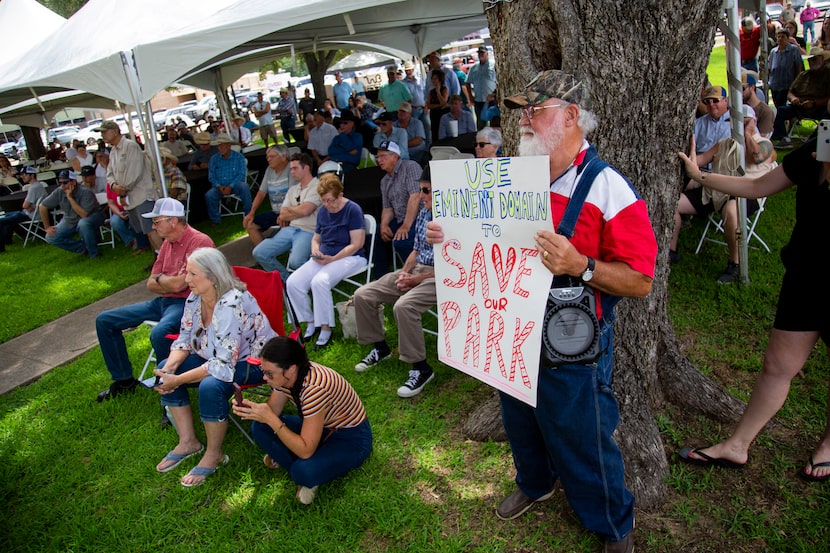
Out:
{"x": 326, "y": 391}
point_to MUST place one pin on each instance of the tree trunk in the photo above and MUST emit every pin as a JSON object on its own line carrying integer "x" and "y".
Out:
{"x": 644, "y": 62}
{"x": 318, "y": 63}
{"x": 34, "y": 144}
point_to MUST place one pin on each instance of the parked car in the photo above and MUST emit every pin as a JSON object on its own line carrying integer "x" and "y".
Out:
{"x": 63, "y": 134}
{"x": 202, "y": 108}
{"x": 88, "y": 134}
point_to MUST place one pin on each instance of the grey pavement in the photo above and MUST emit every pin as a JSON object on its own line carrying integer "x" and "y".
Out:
{"x": 25, "y": 358}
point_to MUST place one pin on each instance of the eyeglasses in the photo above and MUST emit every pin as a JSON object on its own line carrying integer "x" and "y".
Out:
{"x": 158, "y": 220}
{"x": 710, "y": 101}
{"x": 63, "y": 182}
{"x": 482, "y": 144}
{"x": 425, "y": 190}
{"x": 328, "y": 201}
{"x": 528, "y": 111}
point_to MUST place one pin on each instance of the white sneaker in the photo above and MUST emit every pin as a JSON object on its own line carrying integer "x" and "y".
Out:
{"x": 371, "y": 360}
{"x": 306, "y": 495}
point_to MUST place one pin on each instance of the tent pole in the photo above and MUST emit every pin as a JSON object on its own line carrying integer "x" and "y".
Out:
{"x": 733, "y": 75}
{"x": 150, "y": 142}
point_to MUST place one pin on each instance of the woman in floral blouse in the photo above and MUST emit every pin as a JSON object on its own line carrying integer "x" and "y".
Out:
{"x": 221, "y": 327}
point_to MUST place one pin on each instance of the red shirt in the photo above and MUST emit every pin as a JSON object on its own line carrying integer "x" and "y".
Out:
{"x": 173, "y": 256}
{"x": 750, "y": 42}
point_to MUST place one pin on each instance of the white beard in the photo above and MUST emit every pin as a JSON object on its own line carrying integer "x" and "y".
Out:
{"x": 538, "y": 144}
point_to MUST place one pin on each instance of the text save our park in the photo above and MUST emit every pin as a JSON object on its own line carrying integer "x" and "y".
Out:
{"x": 491, "y": 285}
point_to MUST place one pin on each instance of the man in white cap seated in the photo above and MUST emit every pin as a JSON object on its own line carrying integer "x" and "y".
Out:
{"x": 226, "y": 172}
{"x": 81, "y": 214}
{"x": 167, "y": 281}
{"x": 759, "y": 156}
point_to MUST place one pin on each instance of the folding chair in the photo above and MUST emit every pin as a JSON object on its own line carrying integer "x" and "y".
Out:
{"x": 443, "y": 152}
{"x": 189, "y": 193}
{"x": 716, "y": 224}
{"x": 371, "y": 228}
{"x": 107, "y": 234}
{"x": 34, "y": 227}
{"x": 462, "y": 155}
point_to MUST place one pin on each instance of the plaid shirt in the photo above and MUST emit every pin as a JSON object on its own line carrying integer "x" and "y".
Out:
{"x": 226, "y": 172}
{"x": 424, "y": 249}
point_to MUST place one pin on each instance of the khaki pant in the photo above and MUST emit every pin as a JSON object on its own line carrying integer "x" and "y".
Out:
{"x": 268, "y": 130}
{"x": 407, "y": 307}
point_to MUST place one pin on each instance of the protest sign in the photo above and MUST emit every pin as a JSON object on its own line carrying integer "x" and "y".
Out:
{"x": 491, "y": 285}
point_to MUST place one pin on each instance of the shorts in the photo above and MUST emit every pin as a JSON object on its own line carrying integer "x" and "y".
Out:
{"x": 139, "y": 223}
{"x": 801, "y": 310}
{"x": 695, "y": 197}
{"x": 266, "y": 131}
{"x": 266, "y": 220}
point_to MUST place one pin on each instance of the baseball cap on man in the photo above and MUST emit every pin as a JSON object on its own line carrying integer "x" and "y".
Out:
{"x": 66, "y": 174}
{"x": 714, "y": 93}
{"x": 87, "y": 171}
{"x": 391, "y": 69}
{"x": 28, "y": 169}
{"x": 389, "y": 146}
{"x": 551, "y": 84}
{"x": 385, "y": 116}
{"x": 165, "y": 207}
{"x": 108, "y": 126}
{"x": 482, "y": 50}
{"x": 347, "y": 115}
{"x": 748, "y": 79}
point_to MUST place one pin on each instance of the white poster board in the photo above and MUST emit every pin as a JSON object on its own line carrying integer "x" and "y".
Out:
{"x": 491, "y": 285}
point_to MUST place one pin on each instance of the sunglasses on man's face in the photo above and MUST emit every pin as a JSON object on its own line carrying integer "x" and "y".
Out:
{"x": 710, "y": 101}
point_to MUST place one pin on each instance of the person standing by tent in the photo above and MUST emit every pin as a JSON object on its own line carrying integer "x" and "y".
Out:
{"x": 262, "y": 111}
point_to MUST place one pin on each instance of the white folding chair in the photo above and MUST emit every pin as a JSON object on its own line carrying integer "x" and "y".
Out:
{"x": 34, "y": 227}
{"x": 715, "y": 222}
{"x": 443, "y": 152}
{"x": 107, "y": 234}
{"x": 188, "y": 193}
{"x": 462, "y": 155}
{"x": 357, "y": 277}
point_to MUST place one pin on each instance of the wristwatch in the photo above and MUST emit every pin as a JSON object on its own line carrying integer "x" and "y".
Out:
{"x": 588, "y": 273}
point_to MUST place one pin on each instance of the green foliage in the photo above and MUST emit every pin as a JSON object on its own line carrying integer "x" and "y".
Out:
{"x": 64, "y": 8}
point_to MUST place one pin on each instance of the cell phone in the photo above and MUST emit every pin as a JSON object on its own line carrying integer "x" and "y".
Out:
{"x": 823, "y": 142}
{"x": 314, "y": 256}
{"x": 151, "y": 382}
{"x": 237, "y": 392}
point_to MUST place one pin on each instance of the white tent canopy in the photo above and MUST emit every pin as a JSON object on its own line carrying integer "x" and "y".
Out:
{"x": 362, "y": 60}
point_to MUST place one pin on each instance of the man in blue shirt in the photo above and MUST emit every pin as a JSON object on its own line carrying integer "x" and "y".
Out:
{"x": 342, "y": 92}
{"x": 347, "y": 146}
{"x": 481, "y": 82}
{"x": 457, "y": 113}
{"x": 226, "y": 172}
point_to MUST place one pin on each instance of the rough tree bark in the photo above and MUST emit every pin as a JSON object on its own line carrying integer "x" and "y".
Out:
{"x": 34, "y": 144}
{"x": 644, "y": 61}
{"x": 318, "y": 64}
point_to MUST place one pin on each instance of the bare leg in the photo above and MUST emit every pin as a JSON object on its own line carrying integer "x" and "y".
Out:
{"x": 684, "y": 207}
{"x": 785, "y": 355}
{"x": 730, "y": 229}
{"x": 254, "y": 233}
{"x": 188, "y": 442}
{"x": 215, "y": 432}
{"x": 822, "y": 452}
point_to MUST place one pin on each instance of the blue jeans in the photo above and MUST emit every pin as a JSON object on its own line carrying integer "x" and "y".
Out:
{"x": 296, "y": 240}
{"x": 809, "y": 29}
{"x": 286, "y": 125}
{"x": 213, "y": 197}
{"x": 339, "y": 451}
{"x": 110, "y": 324}
{"x": 213, "y": 393}
{"x": 569, "y": 436}
{"x": 403, "y": 247}
{"x": 122, "y": 228}
{"x": 8, "y": 223}
{"x": 87, "y": 227}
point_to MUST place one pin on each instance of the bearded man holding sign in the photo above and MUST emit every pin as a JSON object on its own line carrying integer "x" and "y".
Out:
{"x": 611, "y": 252}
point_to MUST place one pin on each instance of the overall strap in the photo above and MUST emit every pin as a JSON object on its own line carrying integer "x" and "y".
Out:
{"x": 590, "y": 168}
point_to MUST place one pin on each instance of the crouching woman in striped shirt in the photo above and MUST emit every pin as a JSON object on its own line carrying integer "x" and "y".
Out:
{"x": 329, "y": 437}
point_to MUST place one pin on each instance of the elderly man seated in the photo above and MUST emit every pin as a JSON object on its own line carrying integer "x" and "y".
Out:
{"x": 35, "y": 191}
{"x": 174, "y": 144}
{"x": 226, "y": 172}
{"x": 174, "y": 179}
{"x": 390, "y": 133}
{"x": 464, "y": 118}
{"x": 207, "y": 149}
{"x": 81, "y": 214}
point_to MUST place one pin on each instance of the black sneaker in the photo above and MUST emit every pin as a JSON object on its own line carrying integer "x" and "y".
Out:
{"x": 732, "y": 270}
{"x": 674, "y": 257}
{"x": 517, "y": 503}
{"x": 415, "y": 383}
{"x": 372, "y": 359}
{"x": 117, "y": 388}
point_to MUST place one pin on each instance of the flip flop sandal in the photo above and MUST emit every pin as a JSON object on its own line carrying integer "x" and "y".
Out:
{"x": 178, "y": 458}
{"x": 707, "y": 460}
{"x": 205, "y": 472}
{"x": 270, "y": 463}
{"x": 810, "y": 477}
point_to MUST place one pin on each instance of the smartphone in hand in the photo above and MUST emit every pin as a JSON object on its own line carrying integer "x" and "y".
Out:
{"x": 237, "y": 392}
{"x": 823, "y": 142}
